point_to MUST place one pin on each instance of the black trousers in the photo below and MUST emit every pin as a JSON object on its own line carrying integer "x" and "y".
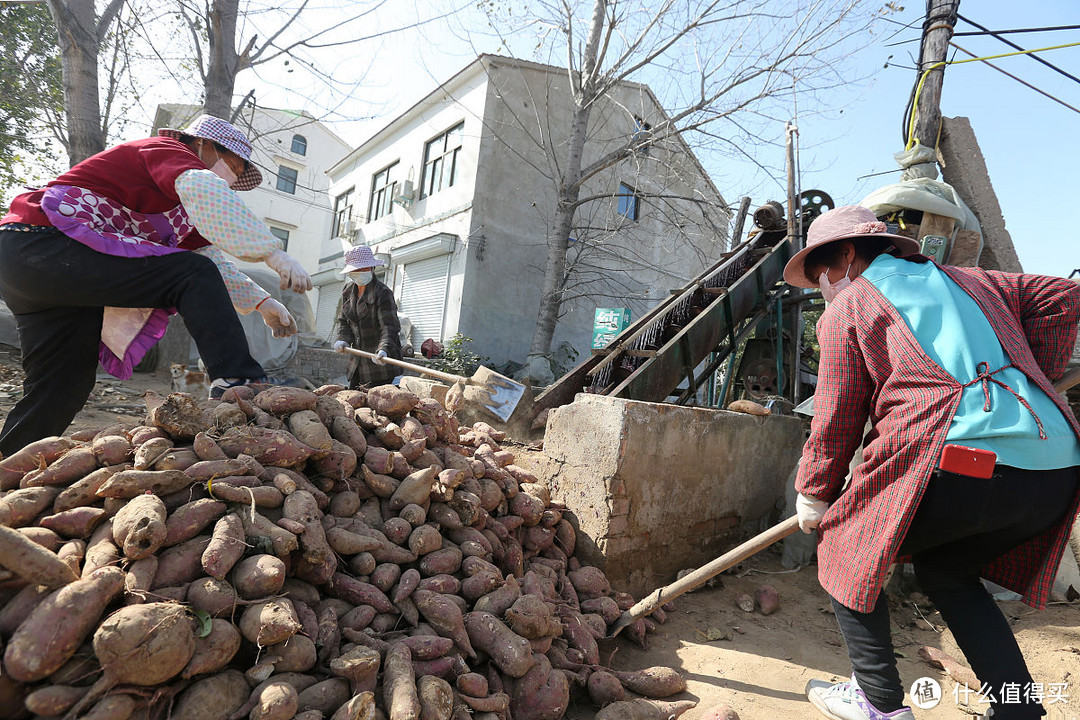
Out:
{"x": 961, "y": 525}
{"x": 57, "y": 289}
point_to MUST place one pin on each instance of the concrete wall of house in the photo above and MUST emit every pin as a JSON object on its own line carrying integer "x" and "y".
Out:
{"x": 447, "y": 211}
{"x": 624, "y": 262}
{"x": 658, "y": 488}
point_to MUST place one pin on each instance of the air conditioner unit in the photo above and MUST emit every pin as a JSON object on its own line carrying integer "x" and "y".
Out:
{"x": 405, "y": 194}
{"x": 349, "y": 228}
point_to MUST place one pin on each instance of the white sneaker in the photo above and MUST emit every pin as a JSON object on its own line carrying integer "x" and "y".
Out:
{"x": 846, "y": 701}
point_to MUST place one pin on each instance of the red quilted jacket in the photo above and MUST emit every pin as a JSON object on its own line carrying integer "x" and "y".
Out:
{"x": 872, "y": 367}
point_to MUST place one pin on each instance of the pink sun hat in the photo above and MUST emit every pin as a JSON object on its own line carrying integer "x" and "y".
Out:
{"x": 360, "y": 258}
{"x": 227, "y": 136}
{"x": 843, "y": 223}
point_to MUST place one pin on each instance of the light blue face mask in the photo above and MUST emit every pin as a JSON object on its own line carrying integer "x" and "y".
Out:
{"x": 361, "y": 277}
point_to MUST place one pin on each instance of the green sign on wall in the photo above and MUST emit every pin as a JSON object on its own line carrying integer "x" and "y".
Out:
{"x": 607, "y": 323}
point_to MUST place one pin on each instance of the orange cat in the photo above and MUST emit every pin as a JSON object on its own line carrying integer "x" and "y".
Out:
{"x": 195, "y": 383}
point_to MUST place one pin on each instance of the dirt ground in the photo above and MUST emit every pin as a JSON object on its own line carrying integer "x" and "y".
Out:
{"x": 757, "y": 664}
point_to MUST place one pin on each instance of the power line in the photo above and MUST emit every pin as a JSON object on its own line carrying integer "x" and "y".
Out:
{"x": 1017, "y": 47}
{"x": 1022, "y": 82}
{"x": 1020, "y": 30}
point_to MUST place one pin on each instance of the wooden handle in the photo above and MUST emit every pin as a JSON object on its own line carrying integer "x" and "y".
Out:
{"x": 706, "y": 572}
{"x": 409, "y": 366}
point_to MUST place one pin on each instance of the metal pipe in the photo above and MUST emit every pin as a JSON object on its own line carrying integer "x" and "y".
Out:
{"x": 779, "y": 347}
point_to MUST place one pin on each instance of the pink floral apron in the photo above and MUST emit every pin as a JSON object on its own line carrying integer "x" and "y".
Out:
{"x": 108, "y": 227}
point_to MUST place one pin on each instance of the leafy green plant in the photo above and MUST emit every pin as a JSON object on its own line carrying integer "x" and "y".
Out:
{"x": 457, "y": 357}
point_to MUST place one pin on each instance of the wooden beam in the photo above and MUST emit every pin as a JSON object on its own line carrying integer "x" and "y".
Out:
{"x": 938, "y": 30}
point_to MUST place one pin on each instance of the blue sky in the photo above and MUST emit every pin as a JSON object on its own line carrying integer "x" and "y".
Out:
{"x": 1028, "y": 140}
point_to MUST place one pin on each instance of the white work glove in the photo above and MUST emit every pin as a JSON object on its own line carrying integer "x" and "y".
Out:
{"x": 810, "y": 511}
{"x": 340, "y": 346}
{"x": 293, "y": 276}
{"x": 277, "y": 318}
{"x": 379, "y": 358}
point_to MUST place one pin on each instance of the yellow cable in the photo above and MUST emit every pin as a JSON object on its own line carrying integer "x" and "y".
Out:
{"x": 918, "y": 88}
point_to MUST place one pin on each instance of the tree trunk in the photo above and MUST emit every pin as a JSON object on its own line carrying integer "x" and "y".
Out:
{"x": 569, "y": 191}
{"x": 223, "y": 63}
{"x": 76, "y": 25}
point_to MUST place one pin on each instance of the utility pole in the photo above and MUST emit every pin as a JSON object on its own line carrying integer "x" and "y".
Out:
{"x": 937, "y": 31}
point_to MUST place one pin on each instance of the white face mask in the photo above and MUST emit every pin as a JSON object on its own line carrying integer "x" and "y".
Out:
{"x": 361, "y": 277}
{"x": 223, "y": 171}
{"x": 830, "y": 290}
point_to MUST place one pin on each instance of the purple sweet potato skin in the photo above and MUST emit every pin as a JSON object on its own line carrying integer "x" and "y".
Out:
{"x": 58, "y": 625}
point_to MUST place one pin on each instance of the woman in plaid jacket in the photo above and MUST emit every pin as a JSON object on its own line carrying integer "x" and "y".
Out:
{"x": 368, "y": 320}
{"x": 933, "y": 356}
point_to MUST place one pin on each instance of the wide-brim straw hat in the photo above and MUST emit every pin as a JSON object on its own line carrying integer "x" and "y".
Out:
{"x": 360, "y": 258}
{"x": 849, "y": 222}
{"x": 227, "y": 136}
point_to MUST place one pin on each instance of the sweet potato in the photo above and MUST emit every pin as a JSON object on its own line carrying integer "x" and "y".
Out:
{"x": 325, "y": 696}
{"x": 226, "y": 467}
{"x": 440, "y": 562}
{"x": 720, "y": 712}
{"x": 179, "y": 564}
{"x": 207, "y": 449}
{"x": 282, "y": 401}
{"x": 643, "y": 709}
{"x": 276, "y": 701}
{"x": 309, "y": 429}
{"x": 236, "y": 490}
{"x": 257, "y": 527}
{"x": 269, "y": 622}
{"x": 190, "y": 519}
{"x": 68, "y": 468}
{"x": 20, "y": 507}
{"x": 767, "y": 599}
{"x": 360, "y": 666}
{"x": 214, "y": 650}
{"x": 339, "y": 462}
{"x": 129, "y": 483}
{"x": 139, "y": 527}
{"x": 58, "y": 625}
{"x": 226, "y": 547}
{"x": 359, "y": 707}
{"x": 53, "y": 700}
{"x": 118, "y": 706}
{"x": 508, "y": 650}
{"x": 30, "y": 560}
{"x": 148, "y": 452}
{"x": 212, "y": 698}
{"x": 385, "y": 576}
{"x": 319, "y": 560}
{"x": 74, "y": 523}
{"x": 652, "y": 682}
{"x": 577, "y": 634}
{"x": 399, "y": 685}
{"x": 18, "y": 608}
{"x": 268, "y": 446}
{"x": 436, "y": 698}
{"x": 590, "y": 582}
{"x": 604, "y": 688}
{"x": 258, "y": 576}
{"x": 35, "y": 455}
{"x": 297, "y": 654}
{"x": 541, "y": 694}
{"x": 227, "y": 416}
{"x": 214, "y": 597}
{"x": 604, "y": 606}
{"x": 356, "y": 592}
{"x": 391, "y": 401}
{"x": 345, "y": 430}
{"x": 414, "y": 489}
{"x": 379, "y": 461}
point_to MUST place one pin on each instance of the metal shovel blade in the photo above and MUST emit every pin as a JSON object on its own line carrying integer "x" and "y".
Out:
{"x": 502, "y": 393}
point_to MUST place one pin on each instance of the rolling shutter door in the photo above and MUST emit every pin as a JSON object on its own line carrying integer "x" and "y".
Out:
{"x": 423, "y": 297}
{"x": 326, "y": 314}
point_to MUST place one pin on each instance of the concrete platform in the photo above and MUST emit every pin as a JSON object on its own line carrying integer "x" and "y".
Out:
{"x": 658, "y": 488}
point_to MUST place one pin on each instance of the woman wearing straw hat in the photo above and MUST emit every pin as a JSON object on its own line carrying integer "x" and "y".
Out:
{"x": 368, "y": 319}
{"x": 934, "y": 357}
{"x": 93, "y": 264}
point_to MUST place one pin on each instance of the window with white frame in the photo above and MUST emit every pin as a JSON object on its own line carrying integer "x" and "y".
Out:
{"x": 343, "y": 209}
{"x": 629, "y": 202}
{"x": 282, "y": 234}
{"x": 299, "y": 144}
{"x": 382, "y": 192}
{"x": 286, "y": 179}
{"x": 441, "y": 161}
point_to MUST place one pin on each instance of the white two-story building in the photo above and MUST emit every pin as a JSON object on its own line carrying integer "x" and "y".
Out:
{"x": 458, "y": 194}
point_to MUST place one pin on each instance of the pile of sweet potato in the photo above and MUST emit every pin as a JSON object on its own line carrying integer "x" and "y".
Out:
{"x": 331, "y": 554}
